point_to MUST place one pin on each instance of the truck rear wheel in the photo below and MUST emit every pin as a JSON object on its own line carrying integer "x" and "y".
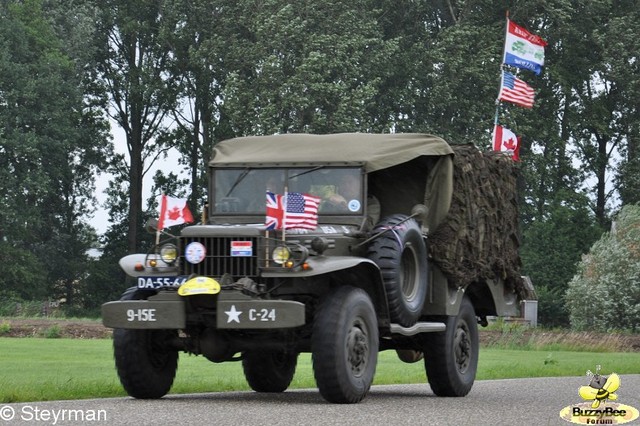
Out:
{"x": 401, "y": 254}
{"x": 145, "y": 361}
{"x": 344, "y": 346}
{"x": 269, "y": 371}
{"x": 451, "y": 356}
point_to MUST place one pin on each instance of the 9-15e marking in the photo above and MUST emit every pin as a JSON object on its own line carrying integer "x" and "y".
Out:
{"x": 143, "y": 315}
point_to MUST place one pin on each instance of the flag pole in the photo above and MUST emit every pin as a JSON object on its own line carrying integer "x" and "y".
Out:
{"x": 284, "y": 212}
{"x": 504, "y": 49}
{"x": 162, "y": 200}
{"x": 267, "y": 235}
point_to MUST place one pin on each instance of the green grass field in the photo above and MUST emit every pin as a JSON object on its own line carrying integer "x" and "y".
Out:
{"x": 37, "y": 369}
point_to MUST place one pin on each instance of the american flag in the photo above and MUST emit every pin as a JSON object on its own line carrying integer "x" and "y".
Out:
{"x": 515, "y": 90}
{"x": 293, "y": 210}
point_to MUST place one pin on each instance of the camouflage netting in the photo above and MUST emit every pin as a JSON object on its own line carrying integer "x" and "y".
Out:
{"x": 479, "y": 238}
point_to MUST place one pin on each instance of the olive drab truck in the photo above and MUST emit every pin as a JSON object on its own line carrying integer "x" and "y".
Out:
{"x": 415, "y": 245}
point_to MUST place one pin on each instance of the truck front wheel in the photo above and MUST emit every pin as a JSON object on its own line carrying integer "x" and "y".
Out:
{"x": 145, "y": 362}
{"x": 344, "y": 345}
{"x": 269, "y": 371}
{"x": 451, "y": 356}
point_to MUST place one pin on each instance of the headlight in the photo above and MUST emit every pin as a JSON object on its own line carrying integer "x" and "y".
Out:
{"x": 169, "y": 253}
{"x": 280, "y": 255}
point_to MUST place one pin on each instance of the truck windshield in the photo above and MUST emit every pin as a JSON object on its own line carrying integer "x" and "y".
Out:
{"x": 243, "y": 190}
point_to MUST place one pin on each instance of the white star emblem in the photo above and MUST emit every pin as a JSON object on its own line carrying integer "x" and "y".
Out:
{"x": 233, "y": 315}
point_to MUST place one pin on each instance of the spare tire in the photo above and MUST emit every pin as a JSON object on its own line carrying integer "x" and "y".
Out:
{"x": 401, "y": 254}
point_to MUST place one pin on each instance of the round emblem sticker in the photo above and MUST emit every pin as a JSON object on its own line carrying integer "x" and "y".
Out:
{"x": 195, "y": 252}
{"x": 354, "y": 205}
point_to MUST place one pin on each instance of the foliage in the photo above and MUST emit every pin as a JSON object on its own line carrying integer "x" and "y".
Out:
{"x": 302, "y": 72}
{"x": 52, "y": 332}
{"x": 551, "y": 306}
{"x": 5, "y": 328}
{"x": 552, "y": 247}
{"x": 605, "y": 293}
{"x": 180, "y": 75}
{"x": 52, "y": 142}
{"x": 132, "y": 59}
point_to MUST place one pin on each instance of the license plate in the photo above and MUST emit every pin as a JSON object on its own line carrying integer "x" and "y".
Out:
{"x": 159, "y": 282}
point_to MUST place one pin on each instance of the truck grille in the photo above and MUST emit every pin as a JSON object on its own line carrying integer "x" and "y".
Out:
{"x": 237, "y": 256}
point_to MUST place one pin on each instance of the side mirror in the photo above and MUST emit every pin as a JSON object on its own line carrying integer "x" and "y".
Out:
{"x": 420, "y": 211}
{"x": 151, "y": 226}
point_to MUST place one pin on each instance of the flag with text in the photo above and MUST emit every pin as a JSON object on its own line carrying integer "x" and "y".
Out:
{"x": 523, "y": 49}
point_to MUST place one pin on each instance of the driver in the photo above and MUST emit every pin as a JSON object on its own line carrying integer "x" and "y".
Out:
{"x": 348, "y": 189}
{"x": 348, "y": 197}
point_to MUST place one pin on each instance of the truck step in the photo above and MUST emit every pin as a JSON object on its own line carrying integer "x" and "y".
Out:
{"x": 419, "y": 327}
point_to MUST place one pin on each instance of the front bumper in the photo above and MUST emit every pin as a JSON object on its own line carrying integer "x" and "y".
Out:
{"x": 167, "y": 310}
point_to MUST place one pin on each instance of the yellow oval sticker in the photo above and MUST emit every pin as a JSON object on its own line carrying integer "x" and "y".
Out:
{"x": 199, "y": 285}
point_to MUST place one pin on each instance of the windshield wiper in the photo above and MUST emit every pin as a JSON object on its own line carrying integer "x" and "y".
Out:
{"x": 306, "y": 171}
{"x": 243, "y": 175}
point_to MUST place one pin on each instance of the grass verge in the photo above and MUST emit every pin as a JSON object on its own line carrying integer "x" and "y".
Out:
{"x": 39, "y": 369}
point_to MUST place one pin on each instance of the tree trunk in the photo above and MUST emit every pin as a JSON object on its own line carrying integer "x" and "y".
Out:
{"x": 135, "y": 193}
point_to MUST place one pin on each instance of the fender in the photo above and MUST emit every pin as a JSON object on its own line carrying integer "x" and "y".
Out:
{"x": 366, "y": 273}
{"x": 130, "y": 265}
{"x": 320, "y": 265}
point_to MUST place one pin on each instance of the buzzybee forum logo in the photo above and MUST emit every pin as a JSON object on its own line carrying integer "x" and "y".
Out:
{"x": 599, "y": 408}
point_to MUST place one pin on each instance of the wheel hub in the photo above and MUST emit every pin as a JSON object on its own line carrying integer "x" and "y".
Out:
{"x": 357, "y": 350}
{"x": 408, "y": 275}
{"x": 462, "y": 348}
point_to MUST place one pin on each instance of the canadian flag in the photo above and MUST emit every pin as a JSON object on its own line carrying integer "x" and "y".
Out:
{"x": 173, "y": 211}
{"x": 507, "y": 141}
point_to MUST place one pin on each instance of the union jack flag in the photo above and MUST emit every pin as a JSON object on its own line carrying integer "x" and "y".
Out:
{"x": 293, "y": 210}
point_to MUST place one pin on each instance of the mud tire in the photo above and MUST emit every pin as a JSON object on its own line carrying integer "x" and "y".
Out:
{"x": 344, "y": 346}
{"x": 401, "y": 255}
{"x": 451, "y": 356}
{"x": 269, "y": 372}
{"x": 145, "y": 362}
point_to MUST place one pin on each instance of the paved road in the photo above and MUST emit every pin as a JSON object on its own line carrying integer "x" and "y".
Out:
{"x": 491, "y": 402}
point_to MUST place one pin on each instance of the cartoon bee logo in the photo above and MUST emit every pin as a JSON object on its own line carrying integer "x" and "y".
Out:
{"x": 600, "y": 388}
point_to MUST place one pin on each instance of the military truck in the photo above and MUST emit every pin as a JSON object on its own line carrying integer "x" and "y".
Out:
{"x": 416, "y": 243}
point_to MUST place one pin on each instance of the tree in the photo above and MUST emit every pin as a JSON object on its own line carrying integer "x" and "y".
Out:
{"x": 306, "y": 67}
{"x": 620, "y": 54}
{"x": 592, "y": 94}
{"x": 51, "y": 137}
{"x": 459, "y": 76}
{"x": 605, "y": 293}
{"x": 552, "y": 247}
{"x": 199, "y": 44}
{"x": 133, "y": 64}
